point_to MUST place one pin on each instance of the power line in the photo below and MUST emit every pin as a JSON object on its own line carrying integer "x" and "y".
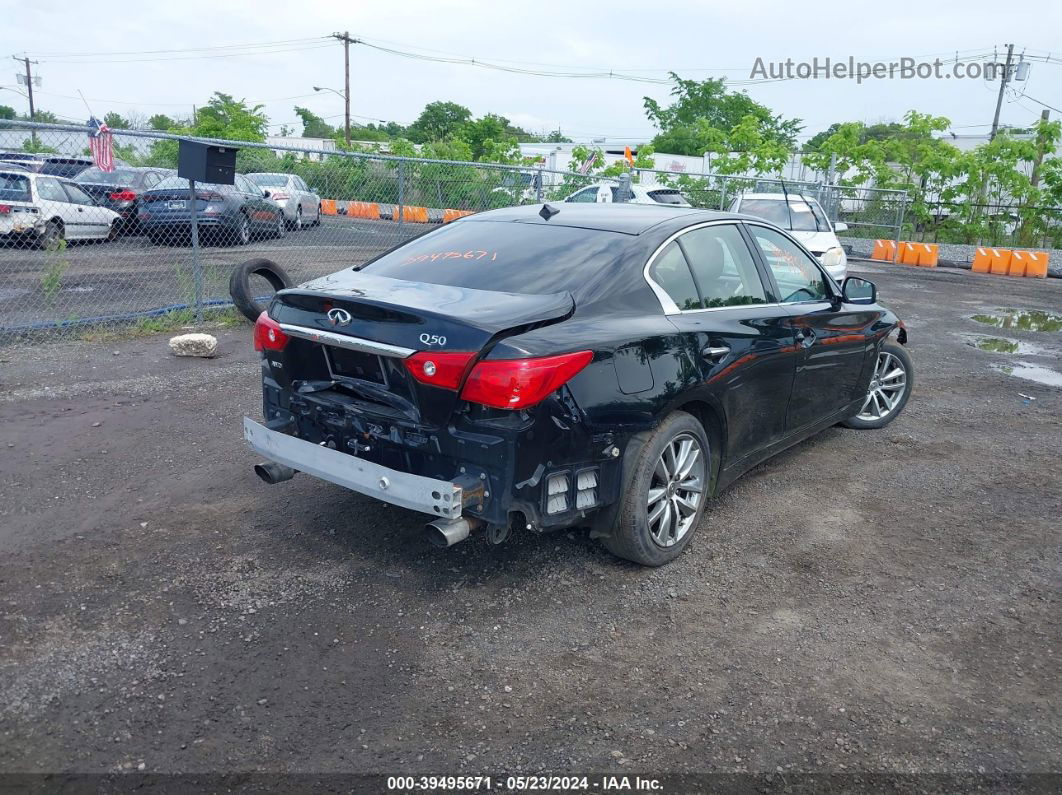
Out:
{"x": 316, "y": 45}
{"x": 210, "y": 48}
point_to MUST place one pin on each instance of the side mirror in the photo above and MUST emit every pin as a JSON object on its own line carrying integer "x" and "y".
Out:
{"x": 840, "y": 226}
{"x": 265, "y": 193}
{"x": 859, "y": 291}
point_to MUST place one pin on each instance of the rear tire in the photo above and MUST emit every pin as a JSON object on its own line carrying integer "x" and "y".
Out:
{"x": 888, "y": 390}
{"x": 53, "y": 234}
{"x": 281, "y": 229}
{"x": 240, "y": 284}
{"x": 297, "y": 224}
{"x": 241, "y": 233}
{"x": 664, "y": 492}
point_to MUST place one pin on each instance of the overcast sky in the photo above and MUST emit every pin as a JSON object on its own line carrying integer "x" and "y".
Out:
{"x": 695, "y": 39}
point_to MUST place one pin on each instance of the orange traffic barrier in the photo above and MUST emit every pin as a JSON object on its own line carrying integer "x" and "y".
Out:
{"x": 328, "y": 207}
{"x": 928, "y": 254}
{"x": 1000, "y": 260}
{"x": 453, "y": 215}
{"x": 890, "y": 250}
{"x": 1018, "y": 261}
{"x": 982, "y": 261}
{"x": 412, "y": 214}
{"x": 880, "y": 249}
{"x": 1036, "y": 264}
{"x": 370, "y": 210}
{"x": 909, "y": 253}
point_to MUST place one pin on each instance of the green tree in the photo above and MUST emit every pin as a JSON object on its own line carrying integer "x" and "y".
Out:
{"x": 115, "y": 121}
{"x": 703, "y": 115}
{"x": 313, "y": 126}
{"x": 226, "y": 117}
{"x": 438, "y": 121}
{"x": 557, "y": 137}
{"x": 161, "y": 122}
{"x": 7, "y": 112}
{"x": 490, "y": 140}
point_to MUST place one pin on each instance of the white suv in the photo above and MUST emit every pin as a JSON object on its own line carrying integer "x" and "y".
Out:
{"x": 806, "y": 220}
{"x": 47, "y": 209}
{"x": 605, "y": 193}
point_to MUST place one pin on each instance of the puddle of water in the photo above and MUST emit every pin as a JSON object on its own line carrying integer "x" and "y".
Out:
{"x": 997, "y": 345}
{"x": 1023, "y": 320}
{"x": 8, "y": 293}
{"x": 1031, "y": 372}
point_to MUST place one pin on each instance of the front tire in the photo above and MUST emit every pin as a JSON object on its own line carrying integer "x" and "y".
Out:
{"x": 241, "y": 235}
{"x": 890, "y": 386}
{"x": 665, "y": 491}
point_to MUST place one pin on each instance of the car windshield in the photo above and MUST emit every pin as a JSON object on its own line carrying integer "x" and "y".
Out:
{"x": 120, "y": 176}
{"x": 14, "y": 187}
{"x": 269, "y": 180}
{"x": 668, "y": 197}
{"x": 177, "y": 183}
{"x": 801, "y": 216}
{"x": 503, "y": 256}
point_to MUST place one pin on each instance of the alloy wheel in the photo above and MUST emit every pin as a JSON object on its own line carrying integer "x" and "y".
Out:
{"x": 887, "y": 387}
{"x": 676, "y": 489}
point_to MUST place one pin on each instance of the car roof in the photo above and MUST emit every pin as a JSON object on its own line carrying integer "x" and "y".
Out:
{"x": 629, "y": 219}
{"x": 268, "y": 174}
{"x": 778, "y": 196}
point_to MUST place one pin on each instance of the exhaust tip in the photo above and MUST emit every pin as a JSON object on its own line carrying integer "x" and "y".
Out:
{"x": 447, "y": 532}
{"x": 272, "y": 472}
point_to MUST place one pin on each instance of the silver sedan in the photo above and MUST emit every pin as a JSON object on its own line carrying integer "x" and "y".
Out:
{"x": 301, "y": 206}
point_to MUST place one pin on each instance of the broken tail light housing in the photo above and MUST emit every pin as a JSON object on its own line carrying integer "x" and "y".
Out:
{"x": 5, "y": 209}
{"x": 519, "y": 383}
{"x": 445, "y": 370}
{"x": 268, "y": 336}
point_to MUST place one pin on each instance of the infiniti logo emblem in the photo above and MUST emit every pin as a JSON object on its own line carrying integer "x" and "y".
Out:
{"x": 339, "y": 317}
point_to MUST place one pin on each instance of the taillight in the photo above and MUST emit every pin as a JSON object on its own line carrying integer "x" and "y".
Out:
{"x": 439, "y": 369}
{"x": 123, "y": 196}
{"x": 519, "y": 383}
{"x": 268, "y": 335}
{"x": 5, "y": 209}
{"x": 280, "y": 197}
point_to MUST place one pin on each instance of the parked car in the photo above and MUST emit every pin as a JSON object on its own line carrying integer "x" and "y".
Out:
{"x": 806, "y": 219}
{"x": 45, "y": 210}
{"x": 224, "y": 213}
{"x": 605, "y": 193}
{"x": 301, "y": 206}
{"x": 53, "y": 165}
{"x": 120, "y": 189}
{"x": 537, "y": 368}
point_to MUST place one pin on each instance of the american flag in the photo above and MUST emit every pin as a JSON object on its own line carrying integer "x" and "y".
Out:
{"x": 101, "y": 142}
{"x": 588, "y": 163}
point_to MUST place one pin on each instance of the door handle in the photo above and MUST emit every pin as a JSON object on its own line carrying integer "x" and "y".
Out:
{"x": 715, "y": 351}
{"x": 806, "y": 337}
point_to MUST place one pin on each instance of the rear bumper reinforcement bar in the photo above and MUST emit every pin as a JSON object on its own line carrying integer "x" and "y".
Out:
{"x": 418, "y": 493}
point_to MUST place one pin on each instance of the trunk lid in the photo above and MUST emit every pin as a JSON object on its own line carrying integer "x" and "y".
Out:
{"x": 399, "y": 317}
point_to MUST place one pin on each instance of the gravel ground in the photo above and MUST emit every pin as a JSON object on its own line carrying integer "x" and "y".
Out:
{"x": 867, "y": 601}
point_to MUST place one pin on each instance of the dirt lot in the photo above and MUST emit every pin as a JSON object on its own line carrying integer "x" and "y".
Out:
{"x": 868, "y": 601}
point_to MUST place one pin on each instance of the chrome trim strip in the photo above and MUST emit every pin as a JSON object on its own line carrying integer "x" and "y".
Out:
{"x": 416, "y": 492}
{"x": 344, "y": 341}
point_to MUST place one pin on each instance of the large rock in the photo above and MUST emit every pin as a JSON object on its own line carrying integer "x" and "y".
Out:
{"x": 205, "y": 345}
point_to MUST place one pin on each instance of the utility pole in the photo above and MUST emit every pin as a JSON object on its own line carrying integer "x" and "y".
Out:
{"x": 347, "y": 41}
{"x": 29, "y": 93}
{"x": 1002, "y": 87}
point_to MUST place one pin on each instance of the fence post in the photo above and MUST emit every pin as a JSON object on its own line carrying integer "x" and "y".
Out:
{"x": 401, "y": 191}
{"x": 722, "y": 195}
{"x": 899, "y": 224}
{"x": 539, "y": 192}
{"x": 197, "y": 265}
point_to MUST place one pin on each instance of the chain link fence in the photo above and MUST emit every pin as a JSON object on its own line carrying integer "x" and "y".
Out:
{"x": 82, "y": 249}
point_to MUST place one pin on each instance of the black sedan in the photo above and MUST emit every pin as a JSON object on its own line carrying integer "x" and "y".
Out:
{"x": 601, "y": 366}
{"x": 120, "y": 189}
{"x": 224, "y": 213}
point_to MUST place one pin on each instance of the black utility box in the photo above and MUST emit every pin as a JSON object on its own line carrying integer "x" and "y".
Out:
{"x": 204, "y": 162}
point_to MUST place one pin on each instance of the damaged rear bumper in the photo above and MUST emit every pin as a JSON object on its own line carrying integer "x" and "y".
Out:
{"x": 416, "y": 492}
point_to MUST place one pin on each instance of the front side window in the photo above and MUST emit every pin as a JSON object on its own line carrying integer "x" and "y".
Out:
{"x": 797, "y": 274}
{"x": 585, "y": 195}
{"x": 77, "y": 196}
{"x": 672, "y": 273}
{"x": 722, "y": 266}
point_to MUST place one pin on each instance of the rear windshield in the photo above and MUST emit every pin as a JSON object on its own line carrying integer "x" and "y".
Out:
{"x": 503, "y": 256}
{"x": 180, "y": 183}
{"x": 667, "y": 197}
{"x": 801, "y": 215}
{"x": 120, "y": 176}
{"x": 269, "y": 180}
{"x": 14, "y": 187}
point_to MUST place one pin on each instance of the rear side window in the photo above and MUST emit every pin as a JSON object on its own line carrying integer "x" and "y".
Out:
{"x": 671, "y": 271}
{"x": 504, "y": 256}
{"x": 14, "y": 188}
{"x": 723, "y": 266}
{"x": 667, "y": 197}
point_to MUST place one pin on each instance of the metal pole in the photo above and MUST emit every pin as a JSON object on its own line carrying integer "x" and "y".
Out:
{"x": 539, "y": 189}
{"x": 346, "y": 89}
{"x": 197, "y": 265}
{"x": 401, "y": 191}
{"x": 899, "y": 226}
{"x": 29, "y": 95}
{"x": 1002, "y": 86}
